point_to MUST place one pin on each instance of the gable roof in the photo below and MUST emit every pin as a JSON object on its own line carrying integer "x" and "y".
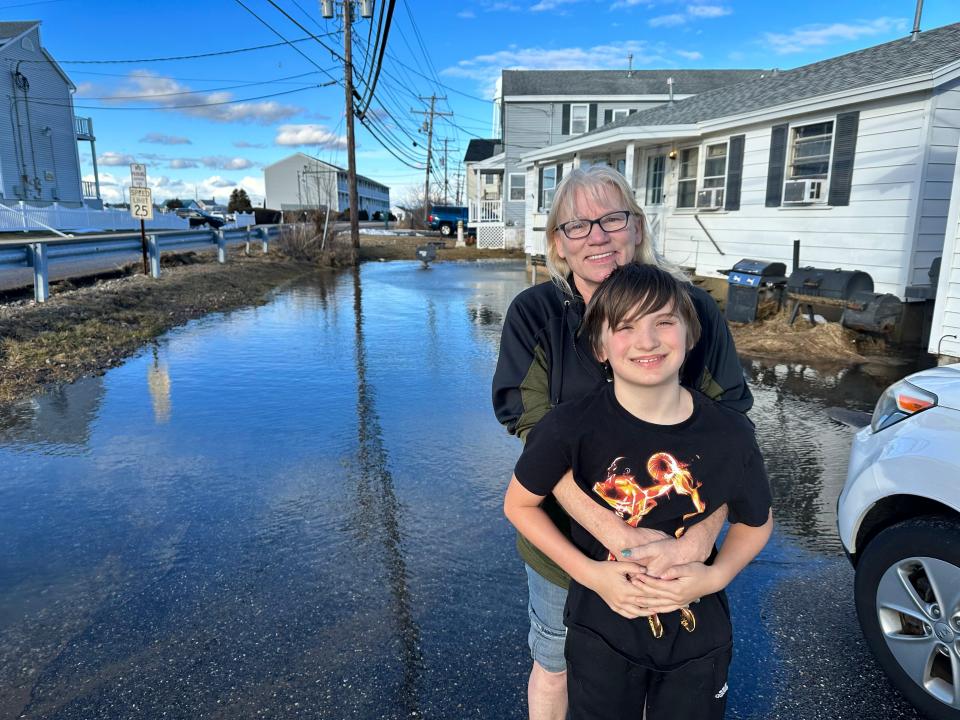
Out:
{"x": 481, "y": 149}
{"x": 324, "y": 162}
{"x": 12, "y": 30}
{"x": 619, "y": 82}
{"x": 890, "y": 62}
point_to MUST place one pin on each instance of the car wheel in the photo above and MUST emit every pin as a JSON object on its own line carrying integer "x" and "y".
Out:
{"x": 908, "y": 601}
{"x": 446, "y": 229}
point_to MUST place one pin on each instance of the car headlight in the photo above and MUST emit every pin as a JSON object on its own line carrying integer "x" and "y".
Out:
{"x": 898, "y": 402}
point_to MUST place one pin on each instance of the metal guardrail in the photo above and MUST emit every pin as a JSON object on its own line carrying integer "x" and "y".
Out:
{"x": 38, "y": 253}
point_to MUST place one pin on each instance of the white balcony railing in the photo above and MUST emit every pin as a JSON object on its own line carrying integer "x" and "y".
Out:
{"x": 89, "y": 189}
{"x": 83, "y": 127}
{"x": 485, "y": 211}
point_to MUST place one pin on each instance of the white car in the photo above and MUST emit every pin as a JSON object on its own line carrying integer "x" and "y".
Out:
{"x": 899, "y": 521}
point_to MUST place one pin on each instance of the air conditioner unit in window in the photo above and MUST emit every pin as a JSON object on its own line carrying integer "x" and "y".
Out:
{"x": 710, "y": 199}
{"x": 803, "y": 192}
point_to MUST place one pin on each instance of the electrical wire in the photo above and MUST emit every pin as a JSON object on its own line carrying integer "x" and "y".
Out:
{"x": 181, "y": 107}
{"x": 200, "y": 92}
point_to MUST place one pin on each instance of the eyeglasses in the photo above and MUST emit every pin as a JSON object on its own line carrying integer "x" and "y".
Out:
{"x": 611, "y": 222}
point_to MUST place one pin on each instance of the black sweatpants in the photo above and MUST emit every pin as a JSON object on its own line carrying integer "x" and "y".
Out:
{"x": 602, "y": 685}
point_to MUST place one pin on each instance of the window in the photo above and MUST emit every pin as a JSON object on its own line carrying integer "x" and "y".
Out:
{"x": 715, "y": 166}
{"x": 518, "y": 183}
{"x": 579, "y": 118}
{"x": 810, "y": 151}
{"x": 548, "y": 187}
{"x": 656, "y": 167}
{"x": 622, "y": 167}
{"x": 687, "y": 178}
{"x": 620, "y": 113}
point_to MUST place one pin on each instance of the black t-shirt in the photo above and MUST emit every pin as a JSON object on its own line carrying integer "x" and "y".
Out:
{"x": 663, "y": 477}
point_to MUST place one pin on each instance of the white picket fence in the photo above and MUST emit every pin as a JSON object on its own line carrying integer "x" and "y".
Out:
{"x": 28, "y": 217}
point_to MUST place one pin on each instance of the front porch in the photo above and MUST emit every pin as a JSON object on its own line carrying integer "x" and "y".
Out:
{"x": 485, "y": 202}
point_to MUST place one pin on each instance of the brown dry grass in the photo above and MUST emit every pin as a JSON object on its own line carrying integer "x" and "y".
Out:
{"x": 775, "y": 338}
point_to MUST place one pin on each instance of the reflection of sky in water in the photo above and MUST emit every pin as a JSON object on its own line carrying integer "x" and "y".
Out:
{"x": 301, "y": 503}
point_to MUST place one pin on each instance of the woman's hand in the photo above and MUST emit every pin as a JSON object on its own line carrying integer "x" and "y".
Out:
{"x": 612, "y": 582}
{"x": 681, "y": 585}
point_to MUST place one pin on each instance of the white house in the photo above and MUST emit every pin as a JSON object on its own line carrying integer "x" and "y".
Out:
{"x": 39, "y": 159}
{"x": 854, "y": 156}
{"x": 945, "y": 327}
{"x": 538, "y": 108}
{"x": 303, "y": 182}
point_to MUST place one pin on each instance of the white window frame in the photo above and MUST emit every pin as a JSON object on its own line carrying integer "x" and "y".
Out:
{"x": 619, "y": 113}
{"x": 726, "y": 165}
{"x": 586, "y": 118}
{"x": 694, "y": 179}
{"x": 648, "y": 188}
{"x": 511, "y": 186}
{"x": 791, "y": 148}
{"x": 547, "y": 202}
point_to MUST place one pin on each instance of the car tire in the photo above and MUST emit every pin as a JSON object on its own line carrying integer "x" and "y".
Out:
{"x": 914, "y": 567}
{"x": 446, "y": 229}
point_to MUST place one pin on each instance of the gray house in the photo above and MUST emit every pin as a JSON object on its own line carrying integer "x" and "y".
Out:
{"x": 539, "y": 108}
{"x": 853, "y": 156}
{"x": 39, "y": 159}
{"x": 303, "y": 182}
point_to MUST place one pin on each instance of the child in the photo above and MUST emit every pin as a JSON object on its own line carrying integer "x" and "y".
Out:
{"x": 662, "y": 456}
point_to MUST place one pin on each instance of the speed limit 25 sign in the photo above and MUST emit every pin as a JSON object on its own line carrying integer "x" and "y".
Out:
{"x": 141, "y": 203}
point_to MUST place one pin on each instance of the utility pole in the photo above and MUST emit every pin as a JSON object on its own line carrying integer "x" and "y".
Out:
{"x": 351, "y": 147}
{"x": 426, "y": 183}
{"x": 446, "y": 185}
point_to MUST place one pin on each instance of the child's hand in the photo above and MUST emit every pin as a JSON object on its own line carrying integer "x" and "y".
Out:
{"x": 680, "y": 586}
{"x": 611, "y": 581}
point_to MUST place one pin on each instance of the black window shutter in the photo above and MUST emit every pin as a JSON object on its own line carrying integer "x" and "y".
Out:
{"x": 844, "y": 148}
{"x": 593, "y": 117}
{"x": 565, "y": 120}
{"x": 607, "y": 117}
{"x": 731, "y": 195}
{"x": 559, "y": 173}
{"x": 775, "y": 168}
{"x": 540, "y": 186}
{"x": 632, "y": 111}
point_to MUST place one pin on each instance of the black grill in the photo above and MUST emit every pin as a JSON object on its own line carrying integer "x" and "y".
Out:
{"x": 830, "y": 284}
{"x": 747, "y": 281}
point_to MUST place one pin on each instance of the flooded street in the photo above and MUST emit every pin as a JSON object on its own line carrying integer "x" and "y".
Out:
{"x": 295, "y": 511}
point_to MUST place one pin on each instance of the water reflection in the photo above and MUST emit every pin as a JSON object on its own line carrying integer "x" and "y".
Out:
{"x": 59, "y": 419}
{"x": 158, "y": 381}
{"x": 378, "y": 508}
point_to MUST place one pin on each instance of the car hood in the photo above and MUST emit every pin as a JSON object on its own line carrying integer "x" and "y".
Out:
{"x": 944, "y": 382}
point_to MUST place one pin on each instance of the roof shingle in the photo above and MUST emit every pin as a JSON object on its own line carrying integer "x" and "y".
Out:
{"x": 618, "y": 82}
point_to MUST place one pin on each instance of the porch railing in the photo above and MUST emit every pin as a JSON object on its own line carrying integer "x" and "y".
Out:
{"x": 83, "y": 127}
{"x": 89, "y": 189}
{"x": 486, "y": 211}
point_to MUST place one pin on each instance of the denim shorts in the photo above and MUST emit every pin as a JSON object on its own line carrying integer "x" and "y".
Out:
{"x": 547, "y": 631}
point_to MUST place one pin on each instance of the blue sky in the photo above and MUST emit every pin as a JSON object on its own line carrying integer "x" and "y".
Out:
{"x": 253, "y": 108}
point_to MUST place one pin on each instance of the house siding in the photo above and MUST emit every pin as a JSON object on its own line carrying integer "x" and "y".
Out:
{"x": 527, "y": 126}
{"x": 327, "y": 187}
{"x": 946, "y": 312}
{"x": 874, "y": 233}
{"x": 937, "y": 182}
{"x": 50, "y": 161}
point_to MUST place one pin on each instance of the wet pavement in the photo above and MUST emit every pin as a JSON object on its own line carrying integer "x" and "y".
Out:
{"x": 295, "y": 511}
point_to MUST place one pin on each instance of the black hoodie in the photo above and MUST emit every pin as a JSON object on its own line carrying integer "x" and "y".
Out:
{"x": 543, "y": 363}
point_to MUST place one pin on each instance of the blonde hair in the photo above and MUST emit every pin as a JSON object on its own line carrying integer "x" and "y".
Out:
{"x": 598, "y": 183}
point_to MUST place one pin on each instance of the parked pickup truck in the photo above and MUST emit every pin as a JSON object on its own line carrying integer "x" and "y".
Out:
{"x": 444, "y": 218}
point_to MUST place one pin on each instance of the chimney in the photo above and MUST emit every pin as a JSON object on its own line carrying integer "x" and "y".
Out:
{"x": 670, "y": 87}
{"x": 916, "y": 21}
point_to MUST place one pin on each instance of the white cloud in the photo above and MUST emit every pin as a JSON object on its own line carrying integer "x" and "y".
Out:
{"x": 466, "y": 14}
{"x": 309, "y": 135}
{"x": 161, "y": 139}
{"x": 708, "y": 11}
{"x": 810, "y": 36}
{"x": 486, "y": 68}
{"x": 85, "y": 88}
{"x": 550, "y": 5}
{"x": 245, "y": 144}
{"x": 114, "y": 158}
{"x": 143, "y": 86}
{"x": 690, "y": 54}
{"x": 220, "y": 162}
{"x": 182, "y": 163}
{"x": 667, "y": 20}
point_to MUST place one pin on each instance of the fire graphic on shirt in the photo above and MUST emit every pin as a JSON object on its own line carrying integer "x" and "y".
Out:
{"x": 631, "y": 501}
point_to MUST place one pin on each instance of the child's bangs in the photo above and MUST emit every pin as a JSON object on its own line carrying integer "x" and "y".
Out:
{"x": 640, "y": 297}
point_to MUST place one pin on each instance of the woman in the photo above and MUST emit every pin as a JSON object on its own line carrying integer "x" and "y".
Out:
{"x": 593, "y": 226}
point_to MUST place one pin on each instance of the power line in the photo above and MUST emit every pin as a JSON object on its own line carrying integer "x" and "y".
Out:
{"x": 333, "y": 52}
{"x": 290, "y": 43}
{"x": 182, "y": 107}
{"x": 178, "y": 57}
{"x": 200, "y": 92}
{"x": 383, "y": 47}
